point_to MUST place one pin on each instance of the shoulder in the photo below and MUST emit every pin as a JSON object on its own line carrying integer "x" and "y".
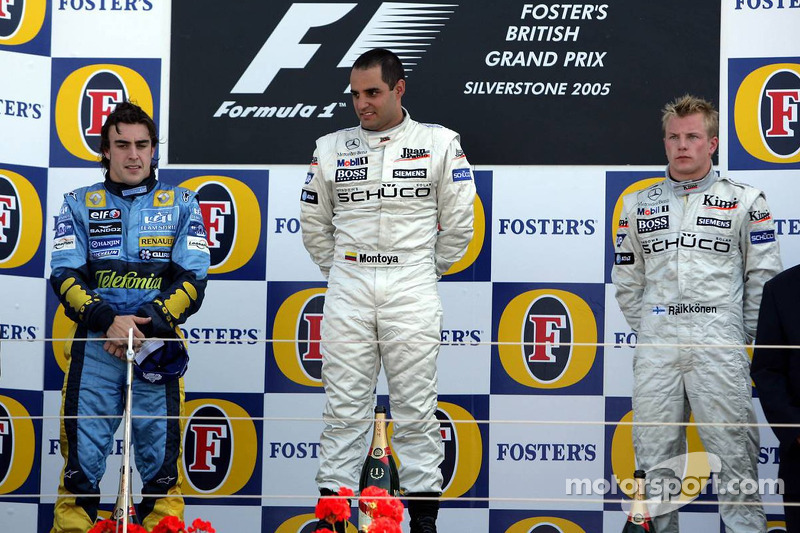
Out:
{"x": 437, "y": 131}
{"x": 654, "y": 194}
{"x": 81, "y": 195}
{"x": 789, "y": 278}
{"x": 744, "y": 191}
{"x": 331, "y": 140}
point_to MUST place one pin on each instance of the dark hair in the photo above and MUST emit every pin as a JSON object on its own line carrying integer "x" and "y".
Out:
{"x": 126, "y": 113}
{"x": 391, "y": 66}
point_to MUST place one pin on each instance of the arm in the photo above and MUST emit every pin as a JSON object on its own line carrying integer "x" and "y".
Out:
{"x": 770, "y": 370}
{"x": 761, "y": 260}
{"x": 628, "y": 272}
{"x": 456, "y": 199}
{"x": 316, "y": 217}
{"x": 188, "y": 271}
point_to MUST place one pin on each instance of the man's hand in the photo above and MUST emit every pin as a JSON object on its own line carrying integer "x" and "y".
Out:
{"x": 119, "y": 330}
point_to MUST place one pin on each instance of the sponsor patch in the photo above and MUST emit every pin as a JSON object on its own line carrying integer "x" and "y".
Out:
{"x": 416, "y": 173}
{"x": 351, "y": 256}
{"x": 462, "y": 174}
{"x": 350, "y": 174}
{"x": 410, "y": 154}
{"x": 760, "y": 237}
{"x": 96, "y": 199}
{"x": 715, "y": 222}
{"x": 197, "y": 243}
{"x": 712, "y": 201}
{"x": 160, "y": 240}
{"x": 65, "y": 228}
{"x": 99, "y": 254}
{"x": 653, "y": 210}
{"x": 623, "y": 223}
{"x": 309, "y": 197}
{"x": 759, "y": 216}
{"x": 164, "y": 199}
{"x": 624, "y": 259}
{"x": 64, "y": 243}
{"x": 105, "y": 214}
{"x": 353, "y": 162}
{"x": 97, "y": 244}
{"x": 659, "y": 310}
{"x": 108, "y": 228}
{"x": 620, "y": 238}
{"x": 146, "y": 254}
{"x": 646, "y": 225}
{"x": 309, "y": 177}
{"x": 196, "y": 230}
{"x": 377, "y": 258}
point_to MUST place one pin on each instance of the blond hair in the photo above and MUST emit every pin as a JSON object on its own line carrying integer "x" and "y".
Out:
{"x": 689, "y": 105}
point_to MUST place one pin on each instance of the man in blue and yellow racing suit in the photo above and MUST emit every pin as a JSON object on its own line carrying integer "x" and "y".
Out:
{"x": 129, "y": 252}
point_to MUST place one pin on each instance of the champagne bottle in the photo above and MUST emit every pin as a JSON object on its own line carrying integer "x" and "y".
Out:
{"x": 379, "y": 468}
{"x": 639, "y": 520}
{"x": 121, "y": 506}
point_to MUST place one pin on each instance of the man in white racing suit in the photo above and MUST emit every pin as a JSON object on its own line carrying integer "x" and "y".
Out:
{"x": 386, "y": 209}
{"x": 692, "y": 255}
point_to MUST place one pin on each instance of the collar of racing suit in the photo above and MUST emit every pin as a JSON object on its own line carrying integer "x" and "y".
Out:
{"x": 376, "y": 139}
{"x": 683, "y": 188}
{"x": 128, "y": 191}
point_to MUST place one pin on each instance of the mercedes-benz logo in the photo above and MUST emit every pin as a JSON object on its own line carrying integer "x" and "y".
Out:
{"x": 654, "y": 193}
{"x": 352, "y": 144}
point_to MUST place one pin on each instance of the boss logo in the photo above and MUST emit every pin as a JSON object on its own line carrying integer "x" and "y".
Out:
{"x": 350, "y": 174}
{"x": 647, "y": 225}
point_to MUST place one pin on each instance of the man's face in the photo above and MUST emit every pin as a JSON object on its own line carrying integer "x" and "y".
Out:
{"x": 378, "y": 108}
{"x": 689, "y": 148}
{"x": 130, "y": 153}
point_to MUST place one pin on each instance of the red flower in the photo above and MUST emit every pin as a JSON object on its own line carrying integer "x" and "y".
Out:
{"x": 334, "y": 509}
{"x": 384, "y": 524}
{"x": 381, "y": 504}
{"x": 199, "y": 526}
{"x": 110, "y": 526}
{"x": 170, "y": 524}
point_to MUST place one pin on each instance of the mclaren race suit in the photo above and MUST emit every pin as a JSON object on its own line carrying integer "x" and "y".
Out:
{"x": 691, "y": 261}
{"x": 118, "y": 251}
{"x": 369, "y": 214}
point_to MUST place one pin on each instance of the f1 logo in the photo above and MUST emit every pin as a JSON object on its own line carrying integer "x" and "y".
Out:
{"x": 207, "y": 439}
{"x": 545, "y": 331}
{"x": 214, "y": 216}
{"x": 783, "y": 111}
{"x": 7, "y": 204}
{"x": 391, "y": 25}
{"x": 4, "y": 14}
{"x": 102, "y": 104}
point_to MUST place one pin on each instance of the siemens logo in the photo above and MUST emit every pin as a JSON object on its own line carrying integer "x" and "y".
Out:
{"x": 419, "y": 173}
{"x": 221, "y": 335}
{"x": 546, "y": 452}
{"x": 715, "y": 222}
{"x": 547, "y": 226}
{"x": 350, "y": 174}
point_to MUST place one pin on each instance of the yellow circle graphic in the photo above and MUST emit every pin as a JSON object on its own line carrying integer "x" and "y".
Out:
{"x": 248, "y": 220}
{"x": 529, "y": 525}
{"x": 69, "y": 102}
{"x": 32, "y": 19}
{"x": 747, "y": 114}
{"x": 623, "y": 460}
{"x": 63, "y": 333}
{"x": 284, "y": 332}
{"x": 511, "y": 330}
{"x": 476, "y": 244}
{"x": 31, "y": 220}
{"x": 297, "y": 523}
{"x": 244, "y": 446}
{"x": 22, "y": 446}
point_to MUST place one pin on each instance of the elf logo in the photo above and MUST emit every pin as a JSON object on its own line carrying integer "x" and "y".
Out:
{"x": 545, "y": 524}
{"x": 548, "y": 321}
{"x": 289, "y": 48}
{"x": 226, "y": 203}
{"x": 220, "y": 447}
{"x": 17, "y": 445}
{"x": 21, "y": 20}
{"x": 767, "y": 113}
{"x": 21, "y": 220}
{"x": 297, "y": 332}
{"x": 85, "y": 99}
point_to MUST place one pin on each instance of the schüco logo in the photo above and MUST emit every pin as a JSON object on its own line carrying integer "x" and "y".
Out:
{"x": 306, "y": 523}
{"x": 21, "y": 220}
{"x": 297, "y": 334}
{"x": 476, "y": 244}
{"x": 463, "y": 446}
{"x": 86, "y": 98}
{"x": 549, "y": 320}
{"x": 21, "y": 20}
{"x": 617, "y": 216}
{"x": 545, "y": 524}
{"x": 17, "y": 444}
{"x": 226, "y": 203}
{"x": 219, "y": 447}
{"x": 623, "y": 460}
{"x": 767, "y": 113}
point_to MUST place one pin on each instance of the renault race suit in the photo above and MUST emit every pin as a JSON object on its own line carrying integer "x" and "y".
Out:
{"x": 369, "y": 214}
{"x": 120, "y": 251}
{"x": 690, "y": 264}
